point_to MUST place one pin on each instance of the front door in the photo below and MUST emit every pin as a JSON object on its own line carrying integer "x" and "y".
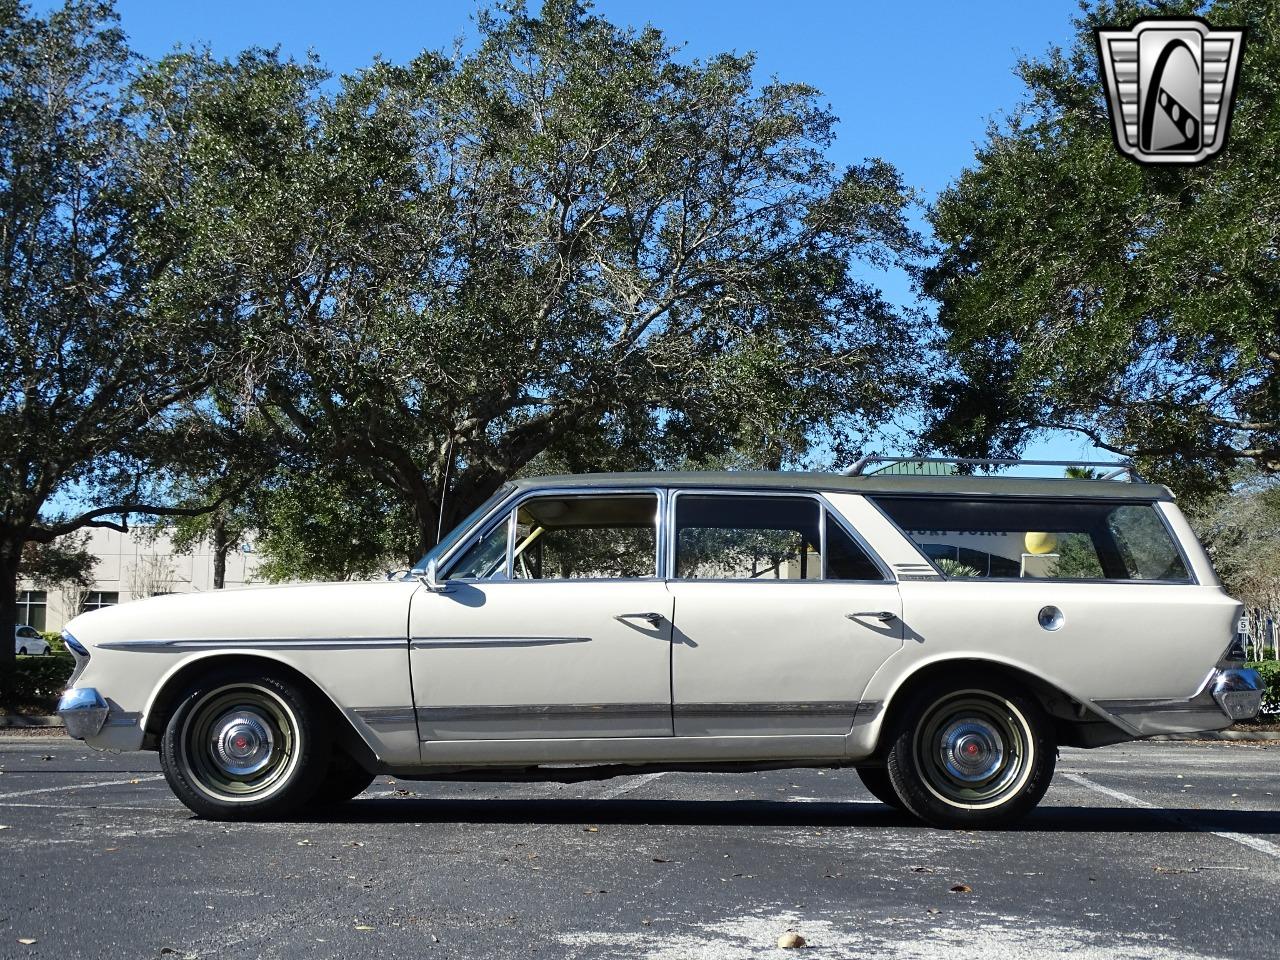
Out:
{"x": 781, "y": 618}
{"x": 552, "y": 625}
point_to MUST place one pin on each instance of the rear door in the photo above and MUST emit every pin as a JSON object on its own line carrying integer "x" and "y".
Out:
{"x": 781, "y": 617}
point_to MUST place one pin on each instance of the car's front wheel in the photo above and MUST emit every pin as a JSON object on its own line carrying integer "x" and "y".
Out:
{"x": 243, "y": 745}
{"x": 971, "y": 754}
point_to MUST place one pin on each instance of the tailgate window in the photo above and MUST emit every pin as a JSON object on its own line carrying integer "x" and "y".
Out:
{"x": 1020, "y": 538}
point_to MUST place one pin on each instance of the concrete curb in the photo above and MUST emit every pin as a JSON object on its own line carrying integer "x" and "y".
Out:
{"x": 20, "y": 722}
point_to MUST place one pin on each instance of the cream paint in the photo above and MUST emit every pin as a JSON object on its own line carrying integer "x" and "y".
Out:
{"x": 505, "y": 646}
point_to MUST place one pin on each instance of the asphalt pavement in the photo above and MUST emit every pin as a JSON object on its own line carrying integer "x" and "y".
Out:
{"x": 1150, "y": 850}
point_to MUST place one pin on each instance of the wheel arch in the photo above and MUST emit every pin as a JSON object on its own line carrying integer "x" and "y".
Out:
{"x": 1074, "y": 723}
{"x": 170, "y": 689}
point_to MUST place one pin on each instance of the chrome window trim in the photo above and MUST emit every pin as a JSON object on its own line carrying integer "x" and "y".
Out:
{"x": 506, "y": 510}
{"x": 886, "y": 571}
{"x": 824, "y": 508}
{"x": 1191, "y": 579}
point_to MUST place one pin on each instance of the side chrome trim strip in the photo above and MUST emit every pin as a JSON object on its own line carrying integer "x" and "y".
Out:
{"x": 424, "y": 643}
{"x": 545, "y": 710}
{"x": 383, "y": 716}
{"x": 841, "y": 708}
{"x": 824, "y": 708}
{"x": 303, "y": 643}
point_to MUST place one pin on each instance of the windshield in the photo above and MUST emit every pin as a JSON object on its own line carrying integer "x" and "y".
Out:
{"x": 456, "y": 534}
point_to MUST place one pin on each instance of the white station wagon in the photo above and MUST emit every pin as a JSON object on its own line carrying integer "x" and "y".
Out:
{"x": 942, "y": 635}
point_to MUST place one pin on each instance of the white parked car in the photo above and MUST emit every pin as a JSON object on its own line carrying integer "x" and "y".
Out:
{"x": 28, "y": 641}
{"x": 940, "y": 635}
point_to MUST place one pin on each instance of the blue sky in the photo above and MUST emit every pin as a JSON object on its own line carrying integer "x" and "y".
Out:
{"x": 915, "y": 84}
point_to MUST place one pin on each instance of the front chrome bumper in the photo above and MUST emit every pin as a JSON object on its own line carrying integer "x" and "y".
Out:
{"x": 1229, "y": 694}
{"x": 83, "y": 711}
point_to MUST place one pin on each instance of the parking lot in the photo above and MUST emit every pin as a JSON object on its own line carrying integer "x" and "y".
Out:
{"x": 1151, "y": 850}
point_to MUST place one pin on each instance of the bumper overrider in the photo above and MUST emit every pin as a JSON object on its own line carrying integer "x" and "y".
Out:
{"x": 1239, "y": 693}
{"x": 83, "y": 712}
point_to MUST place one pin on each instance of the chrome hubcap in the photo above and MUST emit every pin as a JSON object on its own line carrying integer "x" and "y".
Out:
{"x": 972, "y": 750}
{"x": 242, "y": 742}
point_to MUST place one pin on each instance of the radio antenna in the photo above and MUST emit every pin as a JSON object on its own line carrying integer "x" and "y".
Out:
{"x": 444, "y": 489}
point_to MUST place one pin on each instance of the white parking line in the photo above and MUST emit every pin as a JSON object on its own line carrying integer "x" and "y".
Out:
{"x": 1253, "y": 843}
{"x": 627, "y": 786}
{"x": 79, "y": 786}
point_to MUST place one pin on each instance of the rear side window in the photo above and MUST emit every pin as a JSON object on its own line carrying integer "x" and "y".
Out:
{"x": 1039, "y": 539}
{"x": 726, "y": 537}
{"x": 747, "y": 538}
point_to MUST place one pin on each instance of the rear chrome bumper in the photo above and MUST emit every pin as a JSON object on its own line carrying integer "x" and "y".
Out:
{"x": 83, "y": 712}
{"x": 1239, "y": 693}
{"x": 1227, "y": 695}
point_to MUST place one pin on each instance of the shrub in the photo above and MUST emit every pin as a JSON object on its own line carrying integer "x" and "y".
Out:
{"x": 54, "y": 638}
{"x": 37, "y": 682}
{"x": 1270, "y": 670}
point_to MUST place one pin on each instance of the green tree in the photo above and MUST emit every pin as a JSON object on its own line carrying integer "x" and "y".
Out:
{"x": 1135, "y": 305}
{"x": 566, "y": 241}
{"x": 102, "y": 392}
{"x": 66, "y": 561}
{"x": 330, "y": 526}
{"x": 1241, "y": 530}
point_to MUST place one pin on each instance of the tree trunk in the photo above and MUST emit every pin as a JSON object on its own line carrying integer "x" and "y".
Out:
{"x": 219, "y": 551}
{"x": 10, "y": 554}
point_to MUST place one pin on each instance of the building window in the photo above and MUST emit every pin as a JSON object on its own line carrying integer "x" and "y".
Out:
{"x": 96, "y": 600}
{"x": 31, "y": 608}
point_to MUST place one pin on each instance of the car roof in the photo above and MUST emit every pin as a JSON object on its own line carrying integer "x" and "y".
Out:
{"x": 976, "y": 486}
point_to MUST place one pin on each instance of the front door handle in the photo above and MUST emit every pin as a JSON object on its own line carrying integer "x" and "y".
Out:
{"x": 654, "y": 619}
{"x": 884, "y": 616}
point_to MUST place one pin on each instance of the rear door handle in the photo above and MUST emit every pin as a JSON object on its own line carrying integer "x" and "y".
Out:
{"x": 654, "y": 619}
{"x": 884, "y": 616}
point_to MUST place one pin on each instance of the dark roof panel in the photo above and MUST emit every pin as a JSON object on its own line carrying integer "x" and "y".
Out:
{"x": 982, "y": 486}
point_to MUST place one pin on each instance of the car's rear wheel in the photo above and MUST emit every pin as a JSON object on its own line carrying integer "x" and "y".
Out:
{"x": 242, "y": 745}
{"x": 971, "y": 754}
{"x": 876, "y": 780}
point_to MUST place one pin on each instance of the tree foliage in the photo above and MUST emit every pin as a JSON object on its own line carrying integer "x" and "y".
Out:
{"x": 1241, "y": 530}
{"x": 1136, "y": 305}
{"x": 345, "y": 310}
{"x": 101, "y": 389}
{"x": 566, "y": 242}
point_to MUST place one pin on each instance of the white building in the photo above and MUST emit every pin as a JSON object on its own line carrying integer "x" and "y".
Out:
{"x": 129, "y": 567}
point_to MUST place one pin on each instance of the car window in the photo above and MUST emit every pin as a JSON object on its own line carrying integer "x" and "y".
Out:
{"x": 586, "y": 537}
{"x": 485, "y": 558}
{"x": 846, "y": 560}
{"x": 747, "y": 538}
{"x": 28, "y": 633}
{"x": 1148, "y": 551}
{"x": 1039, "y": 539}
